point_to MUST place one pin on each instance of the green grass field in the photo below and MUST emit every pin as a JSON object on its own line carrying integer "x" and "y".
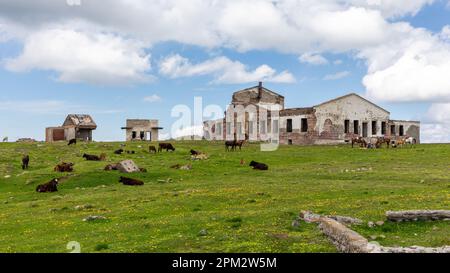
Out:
{"x": 242, "y": 210}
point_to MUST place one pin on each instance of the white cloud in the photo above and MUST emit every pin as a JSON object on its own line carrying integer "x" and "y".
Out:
{"x": 223, "y": 70}
{"x": 415, "y": 66}
{"x": 152, "y": 98}
{"x": 338, "y": 62}
{"x": 77, "y": 56}
{"x": 313, "y": 58}
{"x": 337, "y": 76}
{"x": 35, "y": 106}
{"x": 436, "y": 126}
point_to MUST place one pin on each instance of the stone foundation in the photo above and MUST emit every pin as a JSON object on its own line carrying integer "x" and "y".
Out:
{"x": 418, "y": 215}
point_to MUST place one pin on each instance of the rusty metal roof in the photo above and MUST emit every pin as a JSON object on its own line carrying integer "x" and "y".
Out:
{"x": 80, "y": 121}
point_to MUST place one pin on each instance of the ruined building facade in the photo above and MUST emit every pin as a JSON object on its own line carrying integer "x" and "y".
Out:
{"x": 75, "y": 126}
{"x": 142, "y": 130}
{"x": 336, "y": 121}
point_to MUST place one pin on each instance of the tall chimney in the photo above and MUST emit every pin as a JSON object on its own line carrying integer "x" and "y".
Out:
{"x": 260, "y": 86}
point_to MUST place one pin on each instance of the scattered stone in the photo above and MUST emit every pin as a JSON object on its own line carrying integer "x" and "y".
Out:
{"x": 418, "y": 215}
{"x": 379, "y": 223}
{"x": 7, "y": 176}
{"x": 94, "y": 218}
{"x": 186, "y": 167}
{"x": 370, "y": 224}
{"x": 84, "y": 207}
{"x": 203, "y": 232}
{"x": 309, "y": 217}
{"x": 346, "y": 220}
{"x": 127, "y": 166}
{"x": 295, "y": 224}
{"x": 199, "y": 157}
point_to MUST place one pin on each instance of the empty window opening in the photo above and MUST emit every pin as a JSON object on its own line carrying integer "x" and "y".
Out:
{"x": 356, "y": 127}
{"x": 290, "y": 141}
{"x": 401, "y": 130}
{"x": 393, "y": 130}
{"x": 347, "y": 126}
{"x": 374, "y": 128}
{"x": 304, "y": 125}
{"x": 133, "y": 135}
{"x": 383, "y": 128}
{"x": 365, "y": 127}
{"x": 289, "y": 126}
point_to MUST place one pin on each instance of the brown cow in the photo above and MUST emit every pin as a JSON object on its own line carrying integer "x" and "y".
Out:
{"x": 360, "y": 141}
{"x": 130, "y": 181}
{"x": 64, "y": 167}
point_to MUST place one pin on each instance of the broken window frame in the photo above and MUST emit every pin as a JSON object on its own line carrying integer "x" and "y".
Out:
{"x": 289, "y": 126}
{"x": 347, "y": 126}
{"x": 304, "y": 125}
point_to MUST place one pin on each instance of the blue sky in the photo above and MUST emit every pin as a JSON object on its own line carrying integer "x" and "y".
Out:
{"x": 82, "y": 59}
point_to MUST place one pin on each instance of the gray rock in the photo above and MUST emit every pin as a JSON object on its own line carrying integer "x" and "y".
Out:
{"x": 295, "y": 224}
{"x": 203, "y": 232}
{"x": 94, "y": 218}
{"x": 128, "y": 166}
{"x": 346, "y": 220}
{"x": 379, "y": 223}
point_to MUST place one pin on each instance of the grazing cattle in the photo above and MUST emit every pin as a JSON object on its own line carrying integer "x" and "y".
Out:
{"x": 411, "y": 141}
{"x": 230, "y": 145}
{"x": 360, "y": 141}
{"x": 51, "y": 186}
{"x": 239, "y": 144}
{"x": 131, "y": 152}
{"x": 72, "y": 141}
{"x": 64, "y": 167}
{"x": 259, "y": 166}
{"x": 165, "y": 146}
{"x": 382, "y": 140}
{"x": 118, "y": 152}
{"x": 91, "y": 157}
{"x": 25, "y": 162}
{"x": 130, "y": 181}
{"x": 152, "y": 149}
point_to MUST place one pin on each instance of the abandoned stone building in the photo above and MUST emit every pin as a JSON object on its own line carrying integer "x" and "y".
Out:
{"x": 259, "y": 114}
{"x": 142, "y": 130}
{"x": 76, "y": 126}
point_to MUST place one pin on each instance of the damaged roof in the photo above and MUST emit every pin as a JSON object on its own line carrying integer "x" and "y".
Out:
{"x": 81, "y": 121}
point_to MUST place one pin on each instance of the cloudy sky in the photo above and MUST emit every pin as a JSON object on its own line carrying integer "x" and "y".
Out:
{"x": 123, "y": 59}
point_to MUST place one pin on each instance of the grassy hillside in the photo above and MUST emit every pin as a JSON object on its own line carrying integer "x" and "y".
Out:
{"x": 219, "y": 205}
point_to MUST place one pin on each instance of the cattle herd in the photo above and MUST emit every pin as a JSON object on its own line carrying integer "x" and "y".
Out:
{"x": 378, "y": 142}
{"x": 52, "y": 185}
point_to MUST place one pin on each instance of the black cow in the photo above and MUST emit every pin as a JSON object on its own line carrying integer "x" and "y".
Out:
{"x": 152, "y": 149}
{"x": 259, "y": 166}
{"x": 118, "y": 152}
{"x": 230, "y": 145}
{"x": 166, "y": 146}
{"x": 51, "y": 186}
{"x": 193, "y": 152}
{"x": 25, "y": 162}
{"x": 91, "y": 157}
{"x": 130, "y": 181}
{"x": 72, "y": 141}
